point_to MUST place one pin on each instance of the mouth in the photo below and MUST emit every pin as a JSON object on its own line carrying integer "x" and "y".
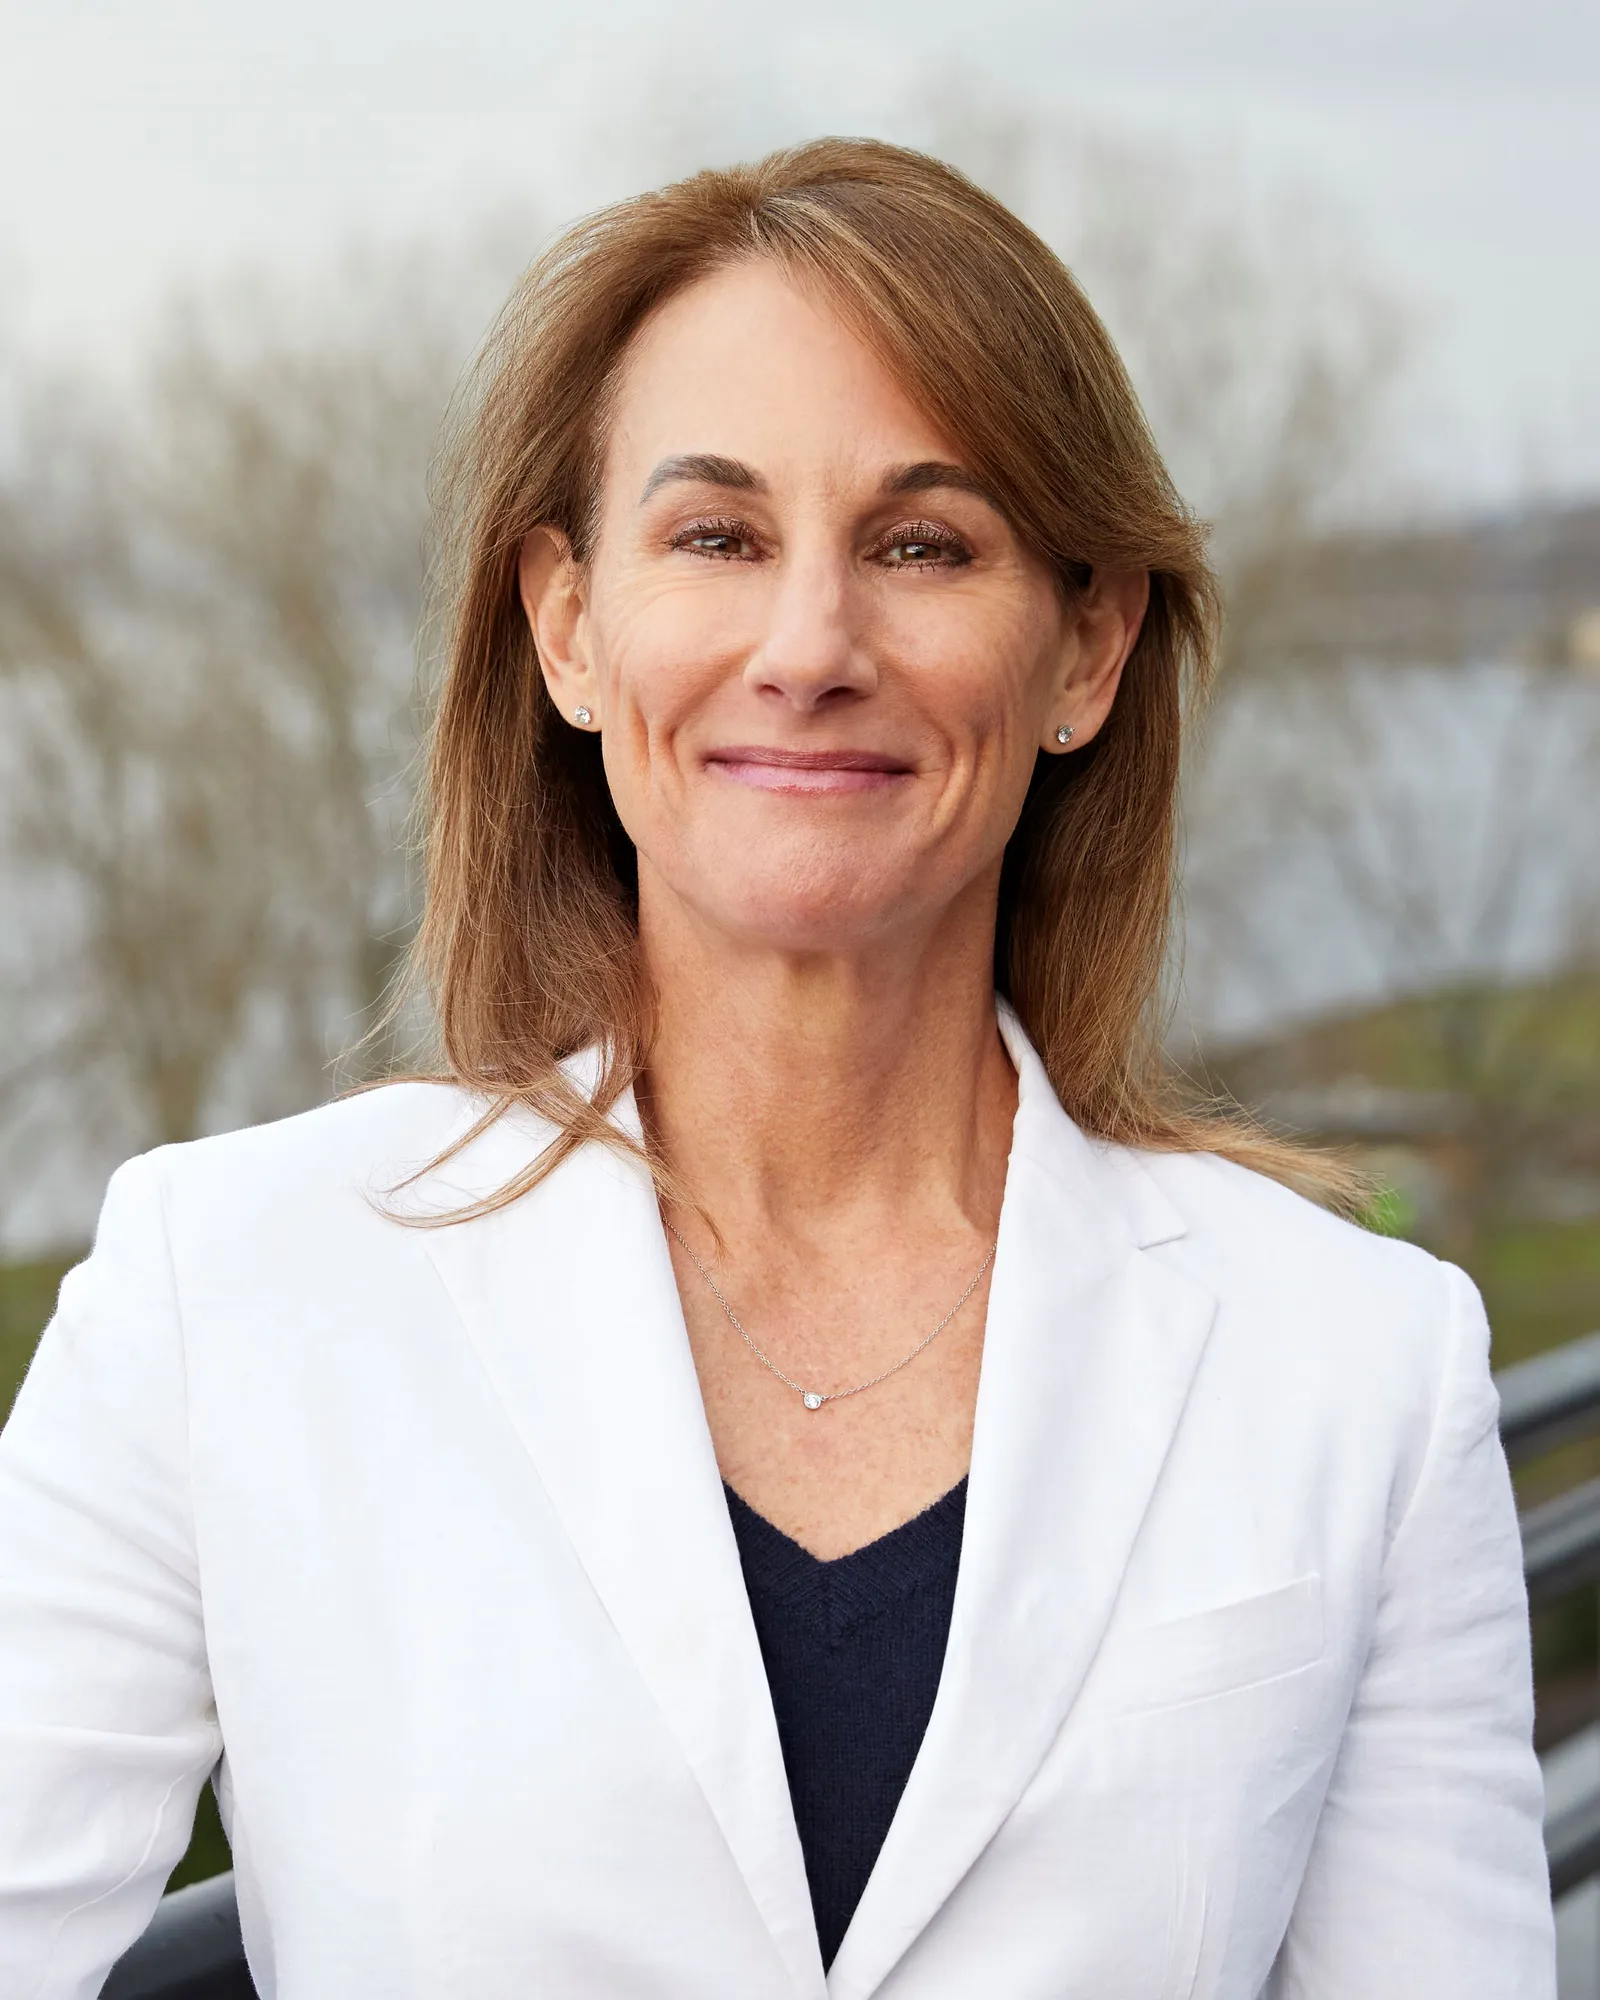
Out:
{"x": 809, "y": 771}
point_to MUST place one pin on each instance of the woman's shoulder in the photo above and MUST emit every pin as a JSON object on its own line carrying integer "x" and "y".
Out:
{"x": 357, "y": 1160}
{"x": 1289, "y": 1275}
{"x": 1234, "y": 1205}
{"x": 359, "y": 1128}
{"x": 313, "y": 1205}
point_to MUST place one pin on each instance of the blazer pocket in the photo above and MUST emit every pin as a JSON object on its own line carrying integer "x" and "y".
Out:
{"x": 1215, "y": 1652}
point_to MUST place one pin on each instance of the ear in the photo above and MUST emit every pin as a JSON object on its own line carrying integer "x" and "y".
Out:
{"x": 1102, "y": 631}
{"x": 550, "y": 580}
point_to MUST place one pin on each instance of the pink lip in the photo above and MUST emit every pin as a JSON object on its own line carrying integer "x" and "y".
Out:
{"x": 770, "y": 770}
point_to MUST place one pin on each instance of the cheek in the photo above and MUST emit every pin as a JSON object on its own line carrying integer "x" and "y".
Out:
{"x": 661, "y": 652}
{"x": 981, "y": 674}
{"x": 661, "y": 658}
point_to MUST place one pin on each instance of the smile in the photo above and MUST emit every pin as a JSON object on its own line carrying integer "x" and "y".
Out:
{"x": 811, "y": 771}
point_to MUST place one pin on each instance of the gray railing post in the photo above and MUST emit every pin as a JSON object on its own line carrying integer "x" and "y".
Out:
{"x": 192, "y": 1950}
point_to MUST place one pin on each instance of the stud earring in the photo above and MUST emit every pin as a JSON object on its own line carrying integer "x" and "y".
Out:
{"x": 1064, "y": 733}
{"x": 583, "y": 717}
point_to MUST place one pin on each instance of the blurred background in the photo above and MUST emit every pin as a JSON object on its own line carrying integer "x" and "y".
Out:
{"x": 1350, "y": 253}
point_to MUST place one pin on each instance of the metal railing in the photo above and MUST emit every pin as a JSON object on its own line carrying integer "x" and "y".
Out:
{"x": 192, "y": 1950}
{"x": 1550, "y": 1401}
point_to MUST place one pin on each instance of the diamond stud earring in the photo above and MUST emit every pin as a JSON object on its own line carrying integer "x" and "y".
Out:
{"x": 583, "y": 717}
{"x": 1064, "y": 733}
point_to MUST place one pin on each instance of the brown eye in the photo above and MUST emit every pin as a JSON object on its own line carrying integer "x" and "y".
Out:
{"x": 923, "y": 547}
{"x": 725, "y": 540}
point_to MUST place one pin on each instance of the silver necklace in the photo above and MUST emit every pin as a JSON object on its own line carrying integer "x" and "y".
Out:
{"x": 815, "y": 1398}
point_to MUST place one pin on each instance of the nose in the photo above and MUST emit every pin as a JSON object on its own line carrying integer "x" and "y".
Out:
{"x": 811, "y": 655}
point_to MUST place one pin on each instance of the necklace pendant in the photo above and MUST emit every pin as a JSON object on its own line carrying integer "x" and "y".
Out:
{"x": 813, "y": 1399}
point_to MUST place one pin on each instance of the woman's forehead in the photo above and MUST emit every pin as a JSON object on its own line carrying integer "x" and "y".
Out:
{"x": 751, "y": 367}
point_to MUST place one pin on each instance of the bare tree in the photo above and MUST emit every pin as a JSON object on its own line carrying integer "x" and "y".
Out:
{"x": 1401, "y": 857}
{"x": 110, "y": 795}
{"x": 208, "y": 598}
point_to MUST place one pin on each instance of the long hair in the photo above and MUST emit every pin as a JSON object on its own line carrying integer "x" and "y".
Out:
{"x": 529, "y": 941}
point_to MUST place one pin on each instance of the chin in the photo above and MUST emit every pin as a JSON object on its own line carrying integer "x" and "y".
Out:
{"x": 807, "y": 910}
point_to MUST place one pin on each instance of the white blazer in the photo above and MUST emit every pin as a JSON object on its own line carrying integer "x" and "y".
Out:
{"x": 422, "y": 1534}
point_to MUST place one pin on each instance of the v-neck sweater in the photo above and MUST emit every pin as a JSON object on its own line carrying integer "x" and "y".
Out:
{"x": 853, "y": 1651}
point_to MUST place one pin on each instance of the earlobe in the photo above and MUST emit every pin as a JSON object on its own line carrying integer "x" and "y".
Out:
{"x": 1110, "y": 618}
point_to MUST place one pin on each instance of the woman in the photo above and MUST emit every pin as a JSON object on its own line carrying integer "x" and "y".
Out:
{"x": 781, "y": 1460}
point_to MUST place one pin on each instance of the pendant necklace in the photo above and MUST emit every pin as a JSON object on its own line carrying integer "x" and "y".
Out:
{"x": 815, "y": 1398}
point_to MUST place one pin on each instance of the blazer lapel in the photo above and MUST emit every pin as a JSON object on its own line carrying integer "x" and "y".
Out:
{"x": 569, "y": 1297}
{"x": 1090, "y": 1350}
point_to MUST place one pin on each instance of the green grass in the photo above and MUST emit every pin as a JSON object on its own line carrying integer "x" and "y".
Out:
{"x": 1542, "y": 1287}
{"x": 27, "y": 1299}
{"x": 1541, "y": 1284}
{"x": 1390, "y": 1213}
{"x": 208, "y": 1853}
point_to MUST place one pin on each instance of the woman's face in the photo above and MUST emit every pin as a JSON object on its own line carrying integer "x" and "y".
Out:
{"x": 821, "y": 661}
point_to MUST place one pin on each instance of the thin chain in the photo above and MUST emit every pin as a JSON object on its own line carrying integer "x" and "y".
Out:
{"x": 815, "y": 1398}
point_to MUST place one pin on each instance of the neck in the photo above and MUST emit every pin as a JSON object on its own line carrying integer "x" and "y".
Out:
{"x": 787, "y": 1089}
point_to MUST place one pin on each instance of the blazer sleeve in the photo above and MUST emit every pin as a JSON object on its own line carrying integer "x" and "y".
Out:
{"x": 1427, "y": 1873}
{"x": 107, "y": 1728}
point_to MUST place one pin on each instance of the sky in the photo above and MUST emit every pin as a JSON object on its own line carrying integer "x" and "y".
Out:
{"x": 148, "y": 146}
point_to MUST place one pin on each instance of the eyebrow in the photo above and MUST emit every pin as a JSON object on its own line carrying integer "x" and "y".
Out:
{"x": 929, "y": 473}
{"x": 709, "y": 468}
{"x": 704, "y": 468}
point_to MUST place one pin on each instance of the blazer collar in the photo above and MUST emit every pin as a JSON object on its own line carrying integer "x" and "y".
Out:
{"x": 1091, "y": 1345}
{"x": 1090, "y": 1349}
{"x": 569, "y": 1297}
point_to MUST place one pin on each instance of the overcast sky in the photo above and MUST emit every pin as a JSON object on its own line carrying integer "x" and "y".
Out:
{"x": 145, "y": 142}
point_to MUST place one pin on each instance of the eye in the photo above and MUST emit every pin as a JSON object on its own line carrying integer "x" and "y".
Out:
{"x": 923, "y": 545}
{"x": 726, "y": 541}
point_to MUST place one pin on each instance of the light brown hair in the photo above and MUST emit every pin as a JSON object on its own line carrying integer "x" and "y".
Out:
{"x": 529, "y": 940}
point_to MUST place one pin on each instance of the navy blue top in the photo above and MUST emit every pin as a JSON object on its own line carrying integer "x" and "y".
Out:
{"x": 853, "y": 1650}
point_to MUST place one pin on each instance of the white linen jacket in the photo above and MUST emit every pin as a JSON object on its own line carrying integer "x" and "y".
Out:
{"x": 421, "y": 1533}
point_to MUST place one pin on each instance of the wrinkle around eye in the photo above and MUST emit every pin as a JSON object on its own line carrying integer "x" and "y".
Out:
{"x": 950, "y": 551}
{"x": 687, "y": 538}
